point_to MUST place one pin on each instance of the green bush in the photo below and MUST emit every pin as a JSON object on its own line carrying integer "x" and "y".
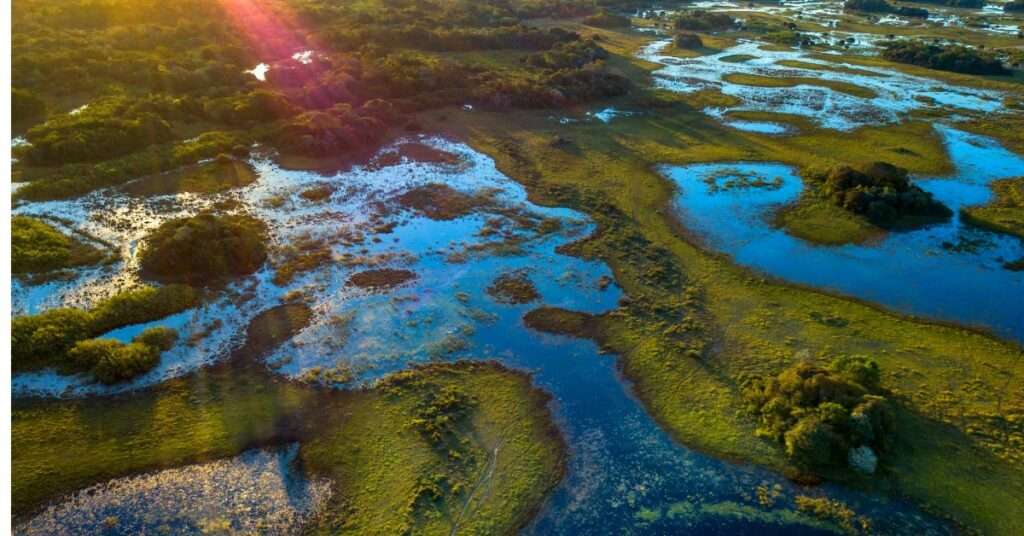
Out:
{"x": 688, "y": 41}
{"x": 606, "y": 19}
{"x": 105, "y": 129}
{"x": 704, "y": 21}
{"x": 881, "y": 192}
{"x": 159, "y": 337}
{"x": 204, "y": 249}
{"x": 44, "y": 339}
{"x": 25, "y": 106}
{"x": 37, "y": 247}
{"x": 111, "y": 361}
{"x": 820, "y": 414}
{"x": 952, "y": 57}
{"x": 143, "y": 304}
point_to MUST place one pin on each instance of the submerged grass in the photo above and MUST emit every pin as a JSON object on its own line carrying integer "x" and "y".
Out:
{"x": 791, "y": 81}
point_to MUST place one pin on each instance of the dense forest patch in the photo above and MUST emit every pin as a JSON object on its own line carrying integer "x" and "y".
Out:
{"x": 205, "y": 249}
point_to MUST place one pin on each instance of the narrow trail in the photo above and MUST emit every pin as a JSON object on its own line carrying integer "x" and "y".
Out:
{"x": 482, "y": 481}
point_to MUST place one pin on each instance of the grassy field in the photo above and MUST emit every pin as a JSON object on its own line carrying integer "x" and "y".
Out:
{"x": 503, "y": 448}
{"x": 697, "y": 326}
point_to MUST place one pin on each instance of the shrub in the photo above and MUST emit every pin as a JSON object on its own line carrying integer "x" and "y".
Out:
{"x": 882, "y": 193}
{"x": 204, "y": 249}
{"x": 25, "y": 106}
{"x": 606, "y": 19}
{"x": 952, "y": 57}
{"x": 37, "y": 247}
{"x": 825, "y": 418}
{"x": 105, "y": 129}
{"x": 704, "y": 21}
{"x": 111, "y": 361}
{"x": 160, "y": 337}
{"x": 43, "y": 339}
{"x": 143, "y": 304}
{"x": 688, "y": 41}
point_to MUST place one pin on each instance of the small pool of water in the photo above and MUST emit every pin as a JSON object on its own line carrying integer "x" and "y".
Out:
{"x": 258, "y": 492}
{"x": 948, "y": 271}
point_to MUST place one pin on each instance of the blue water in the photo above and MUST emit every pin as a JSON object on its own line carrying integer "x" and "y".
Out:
{"x": 625, "y": 474}
{"x": 913, "y": 272}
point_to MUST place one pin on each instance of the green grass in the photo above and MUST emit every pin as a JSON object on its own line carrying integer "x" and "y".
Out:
{"x": 511, "y": 454}
{"x": 697, "y": 325}
{"x": 1005, "y": 213}
{"x": 508, "y": 459}
{"x": 827, "y": 68}
{"x": 821, "y": 222}
{"x": 37, "y": 246}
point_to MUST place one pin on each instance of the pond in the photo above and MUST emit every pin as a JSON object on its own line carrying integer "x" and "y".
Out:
{"x": 949, "y": 271}
{"x": 625, "y": 474}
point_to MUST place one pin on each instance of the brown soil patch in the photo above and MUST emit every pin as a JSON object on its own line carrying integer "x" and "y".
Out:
{"x": 513, "y": 288}
{"x": 440, "y": 202}
{"x": 272, "y": 327}
{"x": 382, "y": 278}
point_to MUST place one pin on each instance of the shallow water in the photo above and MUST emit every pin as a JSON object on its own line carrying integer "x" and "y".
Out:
{"x": 908, "y": 271}
{"x": 896, "y": 94}
{"x": 625, "y": 474}
{"x": 258, "y": 492}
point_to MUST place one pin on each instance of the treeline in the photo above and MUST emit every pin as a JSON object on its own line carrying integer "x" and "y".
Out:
{"x": 882, "y": 6}
{"x": 152, "y": 78}
{"x": 950, "y": 57}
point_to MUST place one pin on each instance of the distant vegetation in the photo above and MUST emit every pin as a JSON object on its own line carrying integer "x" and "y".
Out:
{"x": 827, "y": 419}
{"x": 150, "y": 75}
{"x": 704, "y": 21}
{"x": 50, "y": 338}
{"x": 688, "y": 41}
{"x": 1014, "y": 7}
{"x": 37, "y": 246}
{"x": 606, "y": 19}
{"x": 205, "y": 249}
{"x": 956, "y": 58}
{"x": 882, "y": 6}
{"x": 882, "y": 193}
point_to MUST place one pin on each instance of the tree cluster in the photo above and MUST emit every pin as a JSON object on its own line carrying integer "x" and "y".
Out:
{"x": 826, "y": 418}
{"x": 882, "y": 193}
{"x": 951, "y": 57}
